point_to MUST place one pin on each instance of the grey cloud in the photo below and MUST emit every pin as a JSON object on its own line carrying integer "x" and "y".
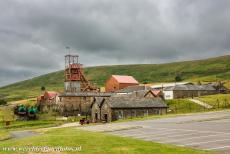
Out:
{"x": 33, "y": 34}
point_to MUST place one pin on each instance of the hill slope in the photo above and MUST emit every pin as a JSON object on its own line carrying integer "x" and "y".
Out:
{"x": 199, "y": 70}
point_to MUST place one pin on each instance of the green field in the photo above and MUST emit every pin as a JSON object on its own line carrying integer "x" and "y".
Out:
{"x": 95, "y": 143}
{"x": 183, "y": 106}
{"x": 207, "y": 70}
{"x": 217, "y": 101}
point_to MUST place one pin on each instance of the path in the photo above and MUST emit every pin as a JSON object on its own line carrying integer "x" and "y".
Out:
{"x": 29, "y": 133}
{"x": 207, "y": 106}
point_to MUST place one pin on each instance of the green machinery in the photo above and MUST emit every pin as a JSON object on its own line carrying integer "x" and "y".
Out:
{"x": 26, "y": 112}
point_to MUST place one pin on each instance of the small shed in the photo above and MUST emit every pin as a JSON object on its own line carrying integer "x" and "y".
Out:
{"x": 117, "y": 82}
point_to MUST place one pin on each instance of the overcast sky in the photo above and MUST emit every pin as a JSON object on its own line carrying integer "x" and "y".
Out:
{"x": 34, "y": 34}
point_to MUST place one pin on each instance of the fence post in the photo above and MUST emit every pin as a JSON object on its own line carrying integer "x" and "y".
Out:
{"x": 175, "y": 109}
{"x": 218, "y": 103}
{"x": 225, "y": 103}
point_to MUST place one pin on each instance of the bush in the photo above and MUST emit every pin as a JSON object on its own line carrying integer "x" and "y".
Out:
{"x": 3, "y": 102}
{"x": 178, "y": 78}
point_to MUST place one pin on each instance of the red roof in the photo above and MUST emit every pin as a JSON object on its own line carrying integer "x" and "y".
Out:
{"x": 125, "y": 79}
{"x": 50, "y": 94}
{"x": 156, "y": 92}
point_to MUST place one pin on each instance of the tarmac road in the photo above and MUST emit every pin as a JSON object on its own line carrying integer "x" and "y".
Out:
{"x": 208, "y": 131}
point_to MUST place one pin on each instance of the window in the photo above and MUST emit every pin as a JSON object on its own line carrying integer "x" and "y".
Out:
{"x": 156, "y": 111}
{"x": 120, "y": 114}
{"x": 146, "y": 112}
{"x": 133, "y": 113}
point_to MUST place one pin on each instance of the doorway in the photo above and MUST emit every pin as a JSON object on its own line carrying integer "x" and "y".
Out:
{"x": 106, "y": 117}
{"x": 96, "y": 116}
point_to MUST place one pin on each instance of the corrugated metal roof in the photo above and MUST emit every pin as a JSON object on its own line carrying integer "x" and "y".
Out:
{"x": 190, "y": 87}
{"x": 133, "y": 89}
{"x": 164, "y": 85}
{"x": 125, "y": 79}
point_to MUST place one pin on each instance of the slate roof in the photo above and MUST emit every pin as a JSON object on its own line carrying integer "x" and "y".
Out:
{"x": 89, "y": 94}
{"x": 133, "y": 88}
{"x": 190, "y": 87}
{"x": 125, "y": 79}
{"x": 126, "y": 102}
{"x": 141, "y": 93}
{"x": 164, "y": 85}
{"x": 98, "y": 100}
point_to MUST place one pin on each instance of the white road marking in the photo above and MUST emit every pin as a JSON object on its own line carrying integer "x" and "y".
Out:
{"x": 196, "y": 137}
{"x": 139, "y": 133}
{"x": 178, "y": 135}
{"x": 216, "y": 148}
{"x": 197, "y": 143}
{"x": 158, "y": 135}
{"x": 197, "y": 130}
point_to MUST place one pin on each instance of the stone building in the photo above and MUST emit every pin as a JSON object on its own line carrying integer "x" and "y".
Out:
{"x": 96, "y": 109}
{"x": 114, "y": 108}
{"x": 72, "y": 104}
{"x": 48, "y": 101}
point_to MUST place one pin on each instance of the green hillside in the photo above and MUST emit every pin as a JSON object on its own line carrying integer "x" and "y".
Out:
{"x": 207, "y": 70}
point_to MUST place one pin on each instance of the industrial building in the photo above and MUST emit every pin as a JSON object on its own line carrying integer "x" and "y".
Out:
{"x": 185, "y": 91}
{"x": 78, "y": 92}
{"x": 117, "y": 82}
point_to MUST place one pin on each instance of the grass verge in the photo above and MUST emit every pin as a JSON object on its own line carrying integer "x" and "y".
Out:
{"x": 19, "y": 125}
{"x": 96, "y": 143}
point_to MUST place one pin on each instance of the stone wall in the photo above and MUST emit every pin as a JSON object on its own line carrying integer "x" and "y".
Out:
{"x": 116, "y": 114}
{"x": 72, "y": 106}
{"x": 139, "y": 112}
{"x": 95, "y": 113}
{"x": 106, "y": 113}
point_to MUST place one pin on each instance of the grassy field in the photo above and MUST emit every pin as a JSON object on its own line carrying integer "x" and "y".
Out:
{"x": 96, "y": 143}
{"x": 207, "y": 70}
{"x": 183, "y": 106}
{"x": 217, "y": 101}
{"x": 6, "y": 114}
{"x": 18, "y": 125}
{"x": 4, "y": 134}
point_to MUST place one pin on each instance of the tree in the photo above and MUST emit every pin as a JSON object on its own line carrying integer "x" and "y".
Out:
{"x": 3, "y": 102}
{"x": 43, "y": 88}
{"x": 178, "y": 78}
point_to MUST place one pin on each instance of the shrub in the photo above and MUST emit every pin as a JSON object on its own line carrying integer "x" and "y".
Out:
{"x": 178, "y": 78}
{"x": 3, "y": 102}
